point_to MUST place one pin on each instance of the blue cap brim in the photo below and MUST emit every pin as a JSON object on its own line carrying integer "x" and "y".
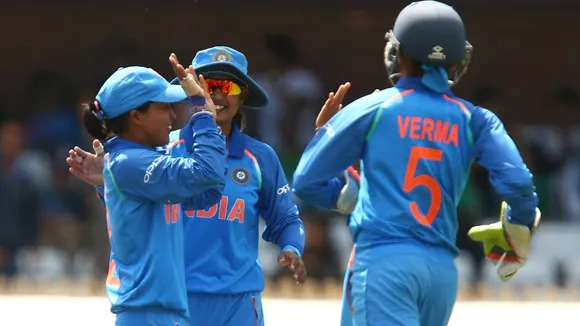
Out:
{"x": 172, "y": 94}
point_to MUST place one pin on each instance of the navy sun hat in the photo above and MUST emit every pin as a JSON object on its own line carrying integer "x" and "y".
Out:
{"x": 222, "y": 61}
{"x": 129, "y": 88}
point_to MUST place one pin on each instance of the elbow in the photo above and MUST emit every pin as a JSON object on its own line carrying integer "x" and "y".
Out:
{"x": 203, "y": 178}
{"x": 214, "y": 195}
{"x": 320, "y": 194}
{"x": 300, "y": 187}
{"x": 214, "y": 171}
{"x": 302, "y": 193}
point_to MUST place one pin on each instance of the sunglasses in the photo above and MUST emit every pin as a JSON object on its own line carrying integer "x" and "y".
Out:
{"x": 227, "y": 87}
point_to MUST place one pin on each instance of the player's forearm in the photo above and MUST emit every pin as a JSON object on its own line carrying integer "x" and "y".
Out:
{"x": 205, "y": 199}
{"x": 209, "y": 151}
{"x": 508, "y": 173}
{"x": 329, "y": 154}
{"x": 519, "y": 193}
{"x": 322, "y": 194}
{"x": 292, "y": 236}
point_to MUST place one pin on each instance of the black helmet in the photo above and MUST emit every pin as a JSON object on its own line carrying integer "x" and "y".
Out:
{"x": 428, "y": 32}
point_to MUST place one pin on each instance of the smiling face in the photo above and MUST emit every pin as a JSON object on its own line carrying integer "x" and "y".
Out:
{"x": 227, "y": 95}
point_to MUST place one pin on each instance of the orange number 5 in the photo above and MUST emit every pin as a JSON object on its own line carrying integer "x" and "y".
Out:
{"x": 412, "y": 181}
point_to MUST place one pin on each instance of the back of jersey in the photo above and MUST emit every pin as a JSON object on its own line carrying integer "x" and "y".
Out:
{"x": 415, "y": 166}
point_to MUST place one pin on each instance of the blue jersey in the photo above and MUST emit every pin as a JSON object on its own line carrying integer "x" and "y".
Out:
{"x": 416, "y": 149}
{"x": 221, "y": 241}
{"x": 143, "y": 189}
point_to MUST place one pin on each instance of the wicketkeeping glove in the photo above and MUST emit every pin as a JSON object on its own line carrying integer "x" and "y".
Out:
{"x": 348, "y": 196}
{"x": 505, "y": 244}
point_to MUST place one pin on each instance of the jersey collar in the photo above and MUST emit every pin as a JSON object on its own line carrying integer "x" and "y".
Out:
{"x": 415, "y": 83}
{"x": 236, "y": 143}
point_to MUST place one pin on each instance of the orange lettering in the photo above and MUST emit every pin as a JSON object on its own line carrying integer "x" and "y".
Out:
{"x": 237, "y": 211}
{"x": 223, "y": 207}
{"x": 176, "y": 211}
{"x": 415, "y": 126}
{"x": 453, "y": 136}
{"x": 172, "y": 213}
{"x": 167, "y": 214}
{"x": 403, "y": 126}
{"x": 208, "y": 212}
{"x": 427, "y": 131}
{"x": 441, "y": 131}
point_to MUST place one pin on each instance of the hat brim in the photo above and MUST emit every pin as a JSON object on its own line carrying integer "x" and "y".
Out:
{"x": 172, "y": 94}
{"x": 256, "y": 98}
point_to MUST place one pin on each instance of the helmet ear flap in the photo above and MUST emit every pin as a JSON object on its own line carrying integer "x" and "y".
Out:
{"x": 392, "y": 57}
{"x": 463, "y": 64}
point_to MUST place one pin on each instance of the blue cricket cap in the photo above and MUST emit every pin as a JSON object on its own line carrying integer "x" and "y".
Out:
{"x": 129, "y": 88}
{"x": 221, "y": 61}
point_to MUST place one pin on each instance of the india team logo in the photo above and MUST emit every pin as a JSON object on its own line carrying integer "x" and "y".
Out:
{"x": 221, "y": 56}
{"x": 241, "y": 176}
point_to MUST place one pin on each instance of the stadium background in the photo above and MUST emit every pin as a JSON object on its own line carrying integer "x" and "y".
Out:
{"x": 55, "y": 54}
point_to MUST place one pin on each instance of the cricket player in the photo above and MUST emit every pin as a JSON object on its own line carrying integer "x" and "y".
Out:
{"x": 224, "y": 279}
{"x": 416, "y": 142}
{"x": 144, "y": 189}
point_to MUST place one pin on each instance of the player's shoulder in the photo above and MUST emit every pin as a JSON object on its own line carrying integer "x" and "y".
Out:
{"x": 130, "y": 159}
{"x": 477, "y": 112}
{"x": 481, "y": 119}
{"x": 368, "y": 104}
{"x": 376, "y": 99}
{"x": 261, "y": 150}
{"x": 473, "y": 108}
{"x": 464, "y": 104}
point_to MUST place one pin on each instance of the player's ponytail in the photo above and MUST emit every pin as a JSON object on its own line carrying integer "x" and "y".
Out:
{"x": 93, "y": 124}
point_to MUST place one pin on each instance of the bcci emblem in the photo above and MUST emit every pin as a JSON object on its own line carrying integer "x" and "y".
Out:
{"x": 222, "y": 55}
{"x": 241, "y": 176}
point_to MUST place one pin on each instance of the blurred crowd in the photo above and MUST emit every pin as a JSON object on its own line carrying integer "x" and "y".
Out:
{"x": 52, "y": 225}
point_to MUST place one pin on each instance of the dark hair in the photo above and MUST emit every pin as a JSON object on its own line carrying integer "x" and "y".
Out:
{"x": 103, "y": 129}
{"x": 240, "y": 120}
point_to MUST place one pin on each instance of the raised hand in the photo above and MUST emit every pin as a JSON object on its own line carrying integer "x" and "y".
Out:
{"x": 87, "y": 166}
{"x": 332, "y": 105}
{"x": 192, "y": 84}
